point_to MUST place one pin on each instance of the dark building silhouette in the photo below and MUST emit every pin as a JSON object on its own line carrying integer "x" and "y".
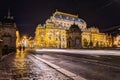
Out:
{"x": 8, "y": 31}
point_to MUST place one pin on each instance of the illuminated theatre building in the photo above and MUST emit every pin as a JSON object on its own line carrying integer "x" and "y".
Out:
{"x": 65, "y": 30}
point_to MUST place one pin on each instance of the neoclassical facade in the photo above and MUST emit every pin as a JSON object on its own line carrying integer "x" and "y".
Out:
{"x": 54, "y": 34}
{"x": 50, "y": 36}
{"x": 65, "y": 20}
{"x": 117, "y": 41}
{"x": 40, "y": 36}
{"x": 92, "y": 38}
{"x": 64, "y": 30}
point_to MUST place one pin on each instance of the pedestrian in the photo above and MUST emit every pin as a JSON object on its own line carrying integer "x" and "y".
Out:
{"x": 23, "y": 48}
{"x": 20, "y": 48}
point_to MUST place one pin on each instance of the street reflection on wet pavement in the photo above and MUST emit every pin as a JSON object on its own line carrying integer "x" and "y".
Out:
{"x": 23, "y": 66}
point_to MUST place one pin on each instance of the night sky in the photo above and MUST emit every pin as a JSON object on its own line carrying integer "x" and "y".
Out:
{"x": 28, "y": 13}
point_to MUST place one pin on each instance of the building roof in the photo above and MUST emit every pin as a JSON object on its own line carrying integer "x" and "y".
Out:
{"x": 66, "y": 16}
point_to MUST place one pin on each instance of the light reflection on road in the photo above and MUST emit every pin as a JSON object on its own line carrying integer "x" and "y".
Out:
{"x": 81, "y": 51}
{"x": 20, "y": 61}
{"x": 22, "y": 66}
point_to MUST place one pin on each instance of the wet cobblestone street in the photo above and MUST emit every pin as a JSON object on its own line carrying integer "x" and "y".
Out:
{"x": 23, "y": 66}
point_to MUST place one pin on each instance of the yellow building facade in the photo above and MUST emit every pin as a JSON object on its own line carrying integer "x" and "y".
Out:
{"x": 92, "y": 38}
{"x": 117, "y": 41}
{"x": 54, "y": 34}
{"x": 50, "y": 36}
{"x": 40, "y": 36}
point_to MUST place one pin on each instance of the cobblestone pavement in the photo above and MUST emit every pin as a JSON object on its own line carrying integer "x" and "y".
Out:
{"x": 23, "y": 66}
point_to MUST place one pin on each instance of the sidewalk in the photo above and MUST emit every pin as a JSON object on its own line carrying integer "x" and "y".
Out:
{"x": 5, "y": 56}
{"x": 23, "y": 66}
